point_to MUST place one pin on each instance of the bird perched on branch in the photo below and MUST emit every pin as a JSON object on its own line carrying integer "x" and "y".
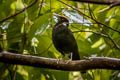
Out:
{"x": 63, "y": 38}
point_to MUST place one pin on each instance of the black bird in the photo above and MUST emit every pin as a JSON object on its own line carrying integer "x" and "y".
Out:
{"x": 63, "y": 38}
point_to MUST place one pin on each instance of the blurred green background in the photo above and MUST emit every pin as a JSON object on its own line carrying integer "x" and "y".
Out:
{"x": 30, "y": 33}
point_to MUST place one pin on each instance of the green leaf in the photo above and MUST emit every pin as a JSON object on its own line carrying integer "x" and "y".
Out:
{"x": 39, "y": 26}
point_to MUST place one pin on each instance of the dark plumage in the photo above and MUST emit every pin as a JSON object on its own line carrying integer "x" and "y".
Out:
{"x": 63, "y": 38}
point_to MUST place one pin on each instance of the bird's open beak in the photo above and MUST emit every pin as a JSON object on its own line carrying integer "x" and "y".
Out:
{"x": 56, "y": 17}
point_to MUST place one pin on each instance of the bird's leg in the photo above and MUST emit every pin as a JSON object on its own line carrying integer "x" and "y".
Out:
{"x": 71, "y": 54}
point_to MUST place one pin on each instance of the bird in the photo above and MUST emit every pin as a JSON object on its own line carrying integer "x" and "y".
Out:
{"x": 63, "y": 38}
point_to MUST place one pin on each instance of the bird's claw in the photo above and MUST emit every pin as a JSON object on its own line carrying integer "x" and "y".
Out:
{"x": 68, "y": 61}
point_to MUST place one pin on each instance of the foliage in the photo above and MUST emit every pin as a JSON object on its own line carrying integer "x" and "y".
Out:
{"x": 30, "y": 33}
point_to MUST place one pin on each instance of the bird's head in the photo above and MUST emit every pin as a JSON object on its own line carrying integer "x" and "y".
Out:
{"x": 61, "y": 19}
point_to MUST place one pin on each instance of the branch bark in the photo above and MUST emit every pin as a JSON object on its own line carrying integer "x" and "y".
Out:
{"x": 90, "y": 63}
{"x": 108, "y": 2}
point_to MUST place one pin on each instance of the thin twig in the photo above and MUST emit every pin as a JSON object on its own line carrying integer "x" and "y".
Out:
{"x": 90, "y": 17}
{"x": 115, "y": 44}
{"x": 103, "y": 35}
{"x": 105, "y": 2}
{"x": 46, "y": 49}
{"x": 40, "y": 8}
{"x": 109, "y": 7}
{"x": 9, "y": 17}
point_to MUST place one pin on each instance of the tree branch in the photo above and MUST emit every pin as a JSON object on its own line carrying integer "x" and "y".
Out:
{"x": 103, "y": 35}
{"x": 9, "y": 17}
{"x": 90, "y": 63}
{"x": 98, "y": 22}
{"x": 99, "y": 1}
